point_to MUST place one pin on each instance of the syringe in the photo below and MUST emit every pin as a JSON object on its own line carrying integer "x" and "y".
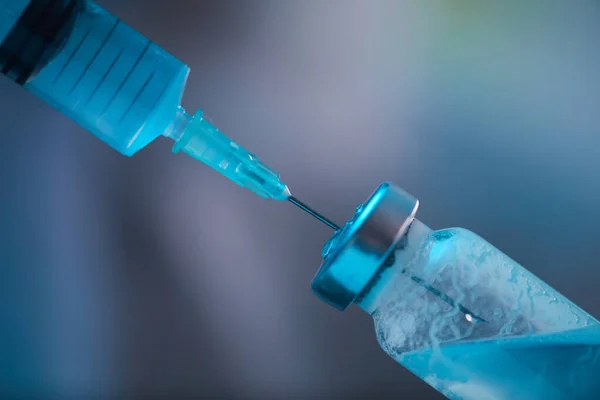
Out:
{"x": 117, "y": 84}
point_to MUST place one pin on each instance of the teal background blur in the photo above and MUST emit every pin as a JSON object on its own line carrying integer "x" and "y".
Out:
{"x": 153, "y": 275}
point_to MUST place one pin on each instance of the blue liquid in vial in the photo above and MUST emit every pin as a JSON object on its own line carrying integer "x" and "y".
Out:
{"x": 563, "y": 365}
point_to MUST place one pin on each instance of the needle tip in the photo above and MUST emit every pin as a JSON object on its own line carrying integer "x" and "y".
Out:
{"x": 312, "y": 212}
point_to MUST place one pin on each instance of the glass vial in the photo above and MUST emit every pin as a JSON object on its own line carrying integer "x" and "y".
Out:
{"x": 455, "y": 310}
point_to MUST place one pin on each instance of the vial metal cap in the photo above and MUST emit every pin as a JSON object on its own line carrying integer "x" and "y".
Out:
{"x": 354, "y": 255}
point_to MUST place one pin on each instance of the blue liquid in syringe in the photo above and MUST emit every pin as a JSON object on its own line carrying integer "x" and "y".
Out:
{"x": 92, "y": 67}
{"x": 563, "y": 365}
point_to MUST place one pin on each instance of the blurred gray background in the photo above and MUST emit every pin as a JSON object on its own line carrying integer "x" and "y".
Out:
{"x": 153, "y": 275}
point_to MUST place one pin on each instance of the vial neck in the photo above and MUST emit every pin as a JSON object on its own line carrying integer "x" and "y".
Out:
{"x": 414, "y": 239}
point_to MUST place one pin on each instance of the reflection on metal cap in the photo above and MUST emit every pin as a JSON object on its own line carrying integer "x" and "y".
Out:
{"x": 355, "y": 254}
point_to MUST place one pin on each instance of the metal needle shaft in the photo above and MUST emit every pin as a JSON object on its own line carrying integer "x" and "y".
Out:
{"x": 312, "y": 212}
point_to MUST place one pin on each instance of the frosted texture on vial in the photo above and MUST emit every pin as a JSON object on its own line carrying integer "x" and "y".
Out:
{"x": 474, "y": 324}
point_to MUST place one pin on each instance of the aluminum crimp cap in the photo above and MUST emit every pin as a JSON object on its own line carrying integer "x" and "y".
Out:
{"x": 354, "y": 255}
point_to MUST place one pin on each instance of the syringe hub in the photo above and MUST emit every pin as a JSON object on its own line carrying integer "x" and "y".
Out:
{"x": 198, "y": 138}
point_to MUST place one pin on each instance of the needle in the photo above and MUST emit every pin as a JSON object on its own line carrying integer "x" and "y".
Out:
{"x": 312, "y": 212}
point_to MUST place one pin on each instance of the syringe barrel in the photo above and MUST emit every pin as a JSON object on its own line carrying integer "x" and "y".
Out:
{"x": 94, "y": 68}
